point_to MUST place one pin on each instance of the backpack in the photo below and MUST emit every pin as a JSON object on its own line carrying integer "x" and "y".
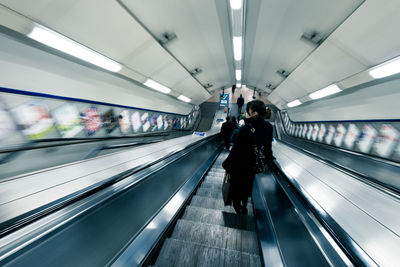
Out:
{"x": 259, "y": 164}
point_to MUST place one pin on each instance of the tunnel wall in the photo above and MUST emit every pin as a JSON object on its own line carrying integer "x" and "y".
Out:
{"x": 379, "y": 101}
{"x": 27, "y": 68}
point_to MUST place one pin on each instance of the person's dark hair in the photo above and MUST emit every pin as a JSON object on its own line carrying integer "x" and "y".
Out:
{"x": 228, "y": 118}
{"x": 257, "y": 106}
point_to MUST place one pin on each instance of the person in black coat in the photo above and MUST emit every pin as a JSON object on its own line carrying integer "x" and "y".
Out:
{"x": 240, "y": 163}
{"x": 227, "y": 129}
{"x": 240, "y": 103}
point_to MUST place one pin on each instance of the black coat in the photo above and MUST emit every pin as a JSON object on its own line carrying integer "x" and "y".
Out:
{"x": 227, "y": 129}
{"x": 240, "y": 161}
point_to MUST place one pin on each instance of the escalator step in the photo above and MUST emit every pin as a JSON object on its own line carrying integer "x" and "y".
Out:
{"x": 217, "y": 217}
{"x": 216, "y": 186}
{"x": 216, "y": 174}
{"x": 183, "y": 253}
{"x": 217, "y": 170}
{"x": 209, "y": 192}
{"x": 214, "y": 179}
{"x": 217, "y": 204}
{"x": 216, "y": 236}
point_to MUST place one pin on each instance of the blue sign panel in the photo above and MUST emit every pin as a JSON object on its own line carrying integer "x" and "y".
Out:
{"x": 224, "y": 100}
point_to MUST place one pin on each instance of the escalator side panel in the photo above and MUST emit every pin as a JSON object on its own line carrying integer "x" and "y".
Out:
{"x": 96, "y": 237}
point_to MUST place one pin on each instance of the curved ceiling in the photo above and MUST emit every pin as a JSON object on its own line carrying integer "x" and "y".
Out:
{"x": 347, "y": 37}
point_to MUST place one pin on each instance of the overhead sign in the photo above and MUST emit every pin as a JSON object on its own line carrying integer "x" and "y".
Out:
{"x": 224, "y": 100}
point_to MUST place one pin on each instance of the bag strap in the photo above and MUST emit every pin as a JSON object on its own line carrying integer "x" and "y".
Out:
{"x": 253, "y": 134}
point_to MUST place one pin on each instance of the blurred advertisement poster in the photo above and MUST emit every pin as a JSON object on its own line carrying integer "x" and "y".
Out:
{"x": 330, "y": 134}
{"x": 145, "y": 122}
{"x": 160, "y": 122}
{"x": 136, "y": 122}
{"x": 387, "y": 139}
{"x": 67, "y": 120}
{"x": 91, "y": 120}
{"x": 7, "y": 125}
{"x": 297, "y": 133}
{"x": 165, "y": 119}
{"x": 34, "y": 119}
{"x": 170, "y": 122}
{"x": 175, "y": 123}
{"x": 367, "y": 138}
{"x": 305, "y": 129}
{"x": 315, "y": 132}
{"x": 352, "y": 135}
{"x": 321, "y": 133}
{"x": 153, "y": 122}
{"x": 310, "y": 131}
{"x": 109, "y": 120}
{"x": 339, "y": 135}
{"x": 300, "y": 130}
{"x": 181, "y": 123}
{"x": 123, "y": 121}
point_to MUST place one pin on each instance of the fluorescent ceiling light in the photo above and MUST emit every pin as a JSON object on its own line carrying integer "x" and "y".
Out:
{"x": 294, "y": 103}
{"x": 236, "y": 4}
{"x": 238, "y": 75}
{"x": 155, "y": 85}
{"x": 386, "y": 69}
{"x": 184, "y": 98}
{"x": 330, "y": 90}
{"x": 238, "y": 85}
{"x": 237, "y": 47}
{"x": 66, "y": 45}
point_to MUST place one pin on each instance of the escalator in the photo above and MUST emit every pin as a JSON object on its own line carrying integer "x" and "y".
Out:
{"x": 172, "y": 214}
{"x": 210, "y": 233}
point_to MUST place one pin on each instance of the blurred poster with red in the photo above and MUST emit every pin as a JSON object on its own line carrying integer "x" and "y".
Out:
{"x": 34, "y": 119}
{"x": 330, "y": 134}
{"x": 339, "y": 135}
{"x": 367, "y": 138}
{"x": 123, "y": 121}
{"x": 321, "y": 133}
{"x": 7, "y": 125}
{"x": 67, "y": 120}
{"x": 91, "y": 120}
{"x": 315, "y": 132}
{"x": 386, "y": 141}
{"x": 352, "y": 135}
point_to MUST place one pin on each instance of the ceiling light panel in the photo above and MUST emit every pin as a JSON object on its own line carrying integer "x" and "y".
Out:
{"x": 386, "y": 69}
{"x": 294, "y": 103}
{"x": 238, "y": 75}
{"x": 236, "y": 4}
{"x": 66, "y": 45}
{"x": 184, "y": 98}
{"x": 330, "y": 90}
{"x": 237, "y": 47}
{"x": 157, "y": 86}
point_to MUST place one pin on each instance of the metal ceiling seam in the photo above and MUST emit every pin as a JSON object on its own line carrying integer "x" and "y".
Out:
{"x": 155, "y": 38}
{"x": 325, "y": 38}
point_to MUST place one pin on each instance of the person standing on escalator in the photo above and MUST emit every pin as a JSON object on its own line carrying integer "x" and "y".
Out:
{"x": 227, "y": 129}
{"x": 240, "y": 103}
{"x": 240, "y": 163}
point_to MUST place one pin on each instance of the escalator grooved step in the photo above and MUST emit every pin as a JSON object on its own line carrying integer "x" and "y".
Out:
{"x": 217, "y": 217}
{"x": 216, "y": 236}
{"x": 196, "y": 254}
{"x": 216, "y": 204}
